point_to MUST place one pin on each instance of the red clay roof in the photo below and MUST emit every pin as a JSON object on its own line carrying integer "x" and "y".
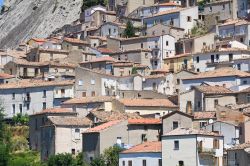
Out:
{"x": 205, "y": 115}
{"x": 74, "y": 40}
{"x": 100, "y": 59}
{"x": 85, "y": 100}
{"x": 5, "y": 76}
{"x": 144, "y": 121}
{"x": 40, "y": 40}
{"x": 221, "y": 72}
{"x": 54, "y": 110}
{"x": 169, "y": 4}
{"x": 103, "y": 126}
{"x": 148, "y": 103}
{"x": 146, "y": 147}
{"x": 105, "y": 50}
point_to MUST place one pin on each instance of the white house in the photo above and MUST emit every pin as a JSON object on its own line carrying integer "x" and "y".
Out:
{"x": 88, "y": 12}
{"x": 178, "y": 17}
{"x": 227, "y": 77}
{"x": 191, "y": 147}
{"x": 31, "y": 96}
{"x": 148, "y": 153}
{"x": 224, "y": 57}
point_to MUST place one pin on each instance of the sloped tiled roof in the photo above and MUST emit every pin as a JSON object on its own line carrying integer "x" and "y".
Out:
{"x": 213, "y": 89}
{"x": 34, "y": 83}
{"x": 146, "y": 147}
{"x": 100, "y": 59}
{"x": 103, "y": 126}
{"x": 221, "y": 72}
{"x": 155, "y": 76}
{"x": 148, "y": 103}
{"x": 176, "y": 10}
{"x": 5, "y": 76}
{"x": 144, "y": 121}
{"x": 54, "y": 111}
{"x": 70, "y": 121}
{"x": 85, "y": 100}
{"x": 189, "y": 131}
{"x": 204, "y": 115}
{"x": 74, "y": 41}
{"x": 241, "y": 146}
{"x": 105, "y": 116}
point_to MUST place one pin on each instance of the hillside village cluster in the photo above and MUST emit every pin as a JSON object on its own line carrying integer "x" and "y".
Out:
{"x": 176, "y": 93}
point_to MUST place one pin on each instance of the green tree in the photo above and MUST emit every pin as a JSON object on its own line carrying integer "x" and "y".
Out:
{"x": 65, "y": 159}
{"x": 111, "y": 155}
{"x": 134, "y": 70}
{"x": 98, "y": 162}
{"x": 129, "y": 31}
{"x": 4, "y": 140}
{"x": 20, "y": 119}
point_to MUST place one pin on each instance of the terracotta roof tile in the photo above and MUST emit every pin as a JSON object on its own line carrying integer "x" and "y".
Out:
{"x": 6, "y": 76}
{"x": 54, "y": 110}
{"x": 241, "y": 146}
{"x": 147, "y": 147}
{"x": 168, "y": 4}
{"x": 155, "y": 76}
{"x": 221, "y": 72}
{"x": 189, "y": 131}
{"x": 34, "y": 83}
{"x": 98, "y": 37}
{"x": 235, "y": 22}
{"x": 206, "y": 89}
{"x": 204, "y": 115}
{"x": 105, "y": 116}
{"x": 144, "y": 121}
{"x": 100, "y": 59}
{"x": 105, "y": 50}
{"x": 176, "y": 10}
{"x": 148, "y": 103}
{"x": 85, "y": 100}
{"x": 103, "y": 126}
{"x": 71, "y": 121}
{"x": 74, "y": 41}
{"x": 39, "y": 39}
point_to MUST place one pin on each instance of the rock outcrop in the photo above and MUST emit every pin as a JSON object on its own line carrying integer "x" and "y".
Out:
{"x": 24, "y": 19}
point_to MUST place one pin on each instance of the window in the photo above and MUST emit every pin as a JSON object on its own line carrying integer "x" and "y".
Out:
{"x": 80, "y": 82}
{"x": 44, "y": 105}
{"x": 123, "y": 163}
{"x": 198, "y": 70}
{"x": 62, "y": 92}
{"x": 199, "y": 104}
{"x": 245, "y": 82}
{"x": 166, "y": 43}
{"x": 143, "y": 138}
{"x": 223, "y": 7}
{"x": 83, "y": 94}
{"x": 13, "y": 109}
{"x": 141, "y": 45}
{"x": 92, "y": 82}
{"x": 21, "y": 108}
{"x": 216, "y": 102}
{"x": 28, "y": 106}
{"x": 146, "y": 55}
{"x": 202, "y": 124}
{"x": 144, "y": 162}
{"x": 248, "y": 98}
{"x": 181, "y": 163}
{"x": 176, "y": 145}
{"x": 13, "y": 96}
{"x": 188, "y": 18}
{"x": 175, "y": 125}
{"x": 210, "y": 8}
{"x": 36, "y": 124}
{"x": 159, "y": 162}
{"x": 145, "y": 128}
{"x": 93, "y": 93}
{"x": 77, "y": 134}
{"x": 216, "y": 144}
{"x": 241, "y": 40}
{"x": 239, "y": 66}
{"x": 44, "y": 93}
{"x": 197, "y": 59}
{"x": 217, "y": 57}
{"x": 130, "y": 163}
{"x": 73, "y": 151}
{"x": 178, "y": 81}
{"x": 156, "y": 63}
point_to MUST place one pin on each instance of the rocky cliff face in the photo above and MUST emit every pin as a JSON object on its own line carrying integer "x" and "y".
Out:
{"x": 24, "y": 19}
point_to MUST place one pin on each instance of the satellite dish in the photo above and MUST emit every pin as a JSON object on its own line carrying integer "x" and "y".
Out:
{"x": 210, "y": 121}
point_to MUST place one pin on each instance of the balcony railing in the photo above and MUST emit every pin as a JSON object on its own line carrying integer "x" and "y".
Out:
{"x": 206, "y": 151}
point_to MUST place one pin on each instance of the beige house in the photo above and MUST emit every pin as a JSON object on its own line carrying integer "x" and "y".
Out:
{"x": 205, "y": 98}
{"x": 244, "y": 96}
{"x": 84, "y": 105}
{"x": 74, "y": 44}
{"x": 146, "y": 106}
{"x": 42, "y": 55}
{"x": 122, "y": 132}
{"x": 62, "y": 135}
{"x": 39, "y": 119}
